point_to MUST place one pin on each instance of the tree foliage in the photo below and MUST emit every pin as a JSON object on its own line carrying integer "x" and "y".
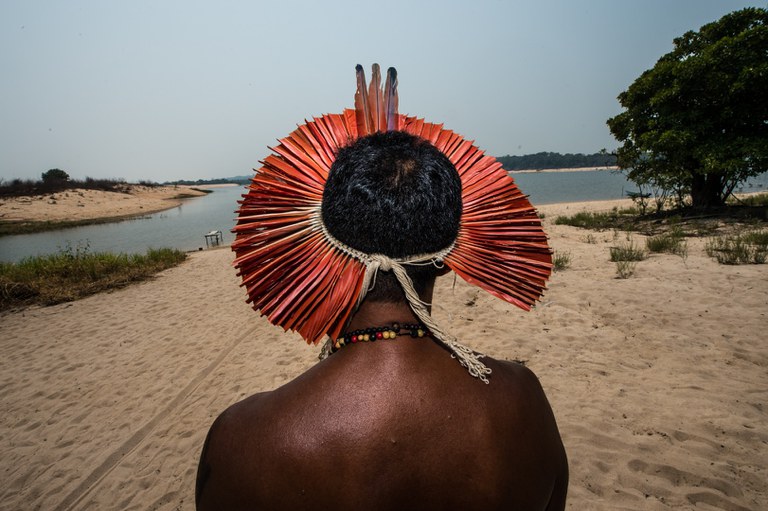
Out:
{"x": 548, "y": 160}
{"x": 697, "y": 122}
{"x": 54, "y": 175}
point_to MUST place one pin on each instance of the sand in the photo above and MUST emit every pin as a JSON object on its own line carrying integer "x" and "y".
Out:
{"x": 80, "y": 204}
{"x": 659, "y": 382}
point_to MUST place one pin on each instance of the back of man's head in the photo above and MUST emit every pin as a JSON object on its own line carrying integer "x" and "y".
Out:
{"x": 395, "y": 194}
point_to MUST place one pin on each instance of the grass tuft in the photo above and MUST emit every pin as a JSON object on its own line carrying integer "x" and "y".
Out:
{"x": 561, "y": 260}
{"x": 626, "y": 257}
{"x": 628, "y": 252}
{"x": 758, "y": 199}
{"x": 588, "y": 220}
{"x": 601, "y": 220}
{"x": 672, "y": 242}
{"x": 625, "y": 269}
{"x": 74, "y": 273}
{"x": 749, "y": 247}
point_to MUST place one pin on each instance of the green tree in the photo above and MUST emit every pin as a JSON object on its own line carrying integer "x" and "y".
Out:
{"x": 55, "y": 175}
{"x": 697, "y": 122}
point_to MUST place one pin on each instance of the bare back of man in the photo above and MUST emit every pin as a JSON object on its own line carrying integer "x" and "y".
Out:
{"x": 389, "y": 425}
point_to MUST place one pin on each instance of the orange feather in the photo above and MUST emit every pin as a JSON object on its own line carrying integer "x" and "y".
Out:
{"x": 362, "y": 113}
{"x": 299, "y": 281}
{"x": 375, "y": 103}
{"x": 390, "y": 100}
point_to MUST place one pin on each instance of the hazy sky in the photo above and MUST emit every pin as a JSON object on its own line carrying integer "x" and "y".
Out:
{"x": 167, "y": 90}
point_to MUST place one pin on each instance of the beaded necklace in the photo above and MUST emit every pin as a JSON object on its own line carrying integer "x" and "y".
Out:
{"x": 379, "y": 332}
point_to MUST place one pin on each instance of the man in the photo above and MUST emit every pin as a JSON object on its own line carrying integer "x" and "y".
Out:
{"x": 390, "y": 420}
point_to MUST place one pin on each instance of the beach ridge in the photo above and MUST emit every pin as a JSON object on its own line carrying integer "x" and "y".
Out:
{"x": 84, "y": 204}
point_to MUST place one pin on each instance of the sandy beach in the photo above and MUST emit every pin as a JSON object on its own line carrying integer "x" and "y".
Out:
{"x": 659, "y": 382}
{"x": 79, "y": 204}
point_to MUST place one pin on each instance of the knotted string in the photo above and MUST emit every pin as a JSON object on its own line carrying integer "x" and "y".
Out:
{"x": 375, "y": 262}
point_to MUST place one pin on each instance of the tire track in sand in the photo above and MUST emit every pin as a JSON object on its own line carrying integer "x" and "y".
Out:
{"x": 97, "y": 475}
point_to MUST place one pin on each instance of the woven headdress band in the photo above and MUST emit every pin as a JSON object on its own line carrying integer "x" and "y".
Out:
{"x": 303, "y": 279}
{"x": 380, "y": 262}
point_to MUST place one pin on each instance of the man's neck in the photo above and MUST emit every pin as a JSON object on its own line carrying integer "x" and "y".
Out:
{"x": 376, "y": 314}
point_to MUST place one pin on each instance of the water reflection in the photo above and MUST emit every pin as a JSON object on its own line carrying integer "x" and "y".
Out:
{"x": 185, "y": 227}
{"x": 182, "y": 227}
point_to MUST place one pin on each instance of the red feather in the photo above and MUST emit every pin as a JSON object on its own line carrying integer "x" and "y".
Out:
{"x": 300, "y": 282}
{"x": 362, "y": 113}
{"x": 390, "y": 101}
{"x": 375, "y": 103}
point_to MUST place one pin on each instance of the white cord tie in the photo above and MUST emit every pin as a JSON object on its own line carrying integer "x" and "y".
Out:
{"x": 375, "y": 262}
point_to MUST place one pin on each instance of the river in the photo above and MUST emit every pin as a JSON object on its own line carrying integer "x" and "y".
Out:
{"x": 184, "y": 227}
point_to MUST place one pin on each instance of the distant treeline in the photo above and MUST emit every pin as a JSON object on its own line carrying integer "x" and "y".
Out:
{"x": 540, "y": 161}
{"x": 27, "y": 187}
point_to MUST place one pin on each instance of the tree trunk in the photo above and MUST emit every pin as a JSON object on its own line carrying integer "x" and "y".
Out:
{"x": 707, "y": 191}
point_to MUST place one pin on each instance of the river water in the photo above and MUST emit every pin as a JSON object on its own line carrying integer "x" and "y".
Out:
{"x": 184, "y": 227}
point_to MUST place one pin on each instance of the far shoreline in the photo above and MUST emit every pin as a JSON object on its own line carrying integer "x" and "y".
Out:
{"x": 78, "y": 207}
{"x": 566, "y": 169}
{"x": 98, "y": 207}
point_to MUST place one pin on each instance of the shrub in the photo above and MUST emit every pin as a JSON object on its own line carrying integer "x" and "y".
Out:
{"x": 19, "y": 187}
{"x": 746, "y": 248}
{"x": 74, "y": 273}
{"x": 628, "y": 252}
{"x": 588, "y": 220}
{"x": 759, "y": 199}
{"x": 601, "y": 220}
{"x": 55, "y": 175}
{"x": 672, "y": 242}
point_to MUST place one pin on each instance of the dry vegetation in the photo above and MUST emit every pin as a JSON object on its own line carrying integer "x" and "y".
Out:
{"x": 74, "y": 273}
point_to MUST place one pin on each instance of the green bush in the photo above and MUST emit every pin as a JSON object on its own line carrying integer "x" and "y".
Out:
{"x": 53, "y": 175}
{"x": 74, "y": 273}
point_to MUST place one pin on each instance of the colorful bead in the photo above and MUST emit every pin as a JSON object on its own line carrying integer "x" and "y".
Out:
{"x": 376, "y": 333}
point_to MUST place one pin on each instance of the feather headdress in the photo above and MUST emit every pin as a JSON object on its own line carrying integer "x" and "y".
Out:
{"x": 303, "y": 279}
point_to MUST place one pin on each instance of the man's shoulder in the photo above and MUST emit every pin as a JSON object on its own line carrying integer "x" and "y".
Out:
{"x": 516, "y": 368}
{"x": 532, "y": 426}
{"x": 518, "y": 400}
{"x": 515, "y": 377}
{"x": 225, "y": 441}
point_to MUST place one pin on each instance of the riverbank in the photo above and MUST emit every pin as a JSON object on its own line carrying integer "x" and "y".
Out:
{"x": 657, "y": 381}
{"x": 83, "y": 206}
{"x": 569, "y": 169}
{"x": 75, "y": 207}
